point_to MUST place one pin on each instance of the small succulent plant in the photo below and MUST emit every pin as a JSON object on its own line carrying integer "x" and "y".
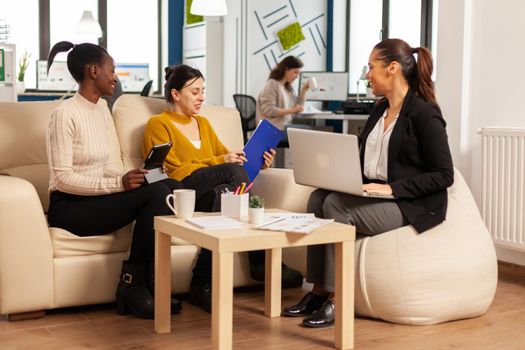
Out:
{"x": 256, "y": 202}
{"x": 22, "y": 66}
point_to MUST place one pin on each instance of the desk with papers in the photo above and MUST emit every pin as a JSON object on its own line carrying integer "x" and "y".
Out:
{"x": 345, "y": 118}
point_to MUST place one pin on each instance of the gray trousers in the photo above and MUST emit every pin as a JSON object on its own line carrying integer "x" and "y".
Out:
{"x": 370, "y": 216}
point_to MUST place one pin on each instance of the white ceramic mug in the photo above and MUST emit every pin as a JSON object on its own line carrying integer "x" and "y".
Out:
{"x": 183, "y": 203}
{"x": 313, "y": 83}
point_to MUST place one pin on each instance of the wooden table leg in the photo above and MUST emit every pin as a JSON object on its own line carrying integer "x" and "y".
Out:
{"x": 222, "y": 300}
{"x": 272, "y": 282}
{"x": 162, "y": 282}
{"x": 344, "y": 295}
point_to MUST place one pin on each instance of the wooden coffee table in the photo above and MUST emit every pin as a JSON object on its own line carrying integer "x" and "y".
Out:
{"x": 223, "y": 243}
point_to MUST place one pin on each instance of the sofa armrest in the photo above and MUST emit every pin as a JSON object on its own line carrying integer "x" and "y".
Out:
{"x": 26, "y": 252}
{"x": 279, "y": 190}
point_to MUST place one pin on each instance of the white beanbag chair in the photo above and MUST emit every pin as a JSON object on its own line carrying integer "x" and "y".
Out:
{"x": 446, "y": 273}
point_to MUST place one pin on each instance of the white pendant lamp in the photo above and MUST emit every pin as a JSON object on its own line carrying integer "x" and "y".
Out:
{"x": 209, "y": 8}
{"x": 88, "y": 25}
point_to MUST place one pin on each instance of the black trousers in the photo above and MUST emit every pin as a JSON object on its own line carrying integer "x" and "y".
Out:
{"x": 99, "y": 215}
{"x": 208, "y": 184}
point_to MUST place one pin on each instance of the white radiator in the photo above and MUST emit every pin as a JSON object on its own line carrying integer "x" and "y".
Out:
{"x": 503, "y": 185}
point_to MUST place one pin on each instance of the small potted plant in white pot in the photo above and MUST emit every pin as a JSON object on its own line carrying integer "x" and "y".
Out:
{"x": 22, "y": 67}
{"x": 256, "y": 209}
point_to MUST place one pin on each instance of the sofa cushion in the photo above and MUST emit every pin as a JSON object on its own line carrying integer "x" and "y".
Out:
{"x": 67, "y": 244}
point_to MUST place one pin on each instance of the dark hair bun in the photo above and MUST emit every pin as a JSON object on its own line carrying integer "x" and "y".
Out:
{"x": 168, "y": 72}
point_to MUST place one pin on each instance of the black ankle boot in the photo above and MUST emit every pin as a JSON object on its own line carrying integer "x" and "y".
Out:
{"x": 176, "y": 305}
{"x": 200, "y": 295}
{"x": 133, "y": 294}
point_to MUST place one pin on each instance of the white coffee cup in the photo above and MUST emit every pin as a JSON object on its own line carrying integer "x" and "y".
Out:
{"x": 183, "y": 203}
{"x": 313, "y": 83}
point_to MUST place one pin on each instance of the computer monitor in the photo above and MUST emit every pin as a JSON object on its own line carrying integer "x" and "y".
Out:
{"x": 331, "y": 86}
{"x": 58, "y": 79}
{"x": 132, "y": 76}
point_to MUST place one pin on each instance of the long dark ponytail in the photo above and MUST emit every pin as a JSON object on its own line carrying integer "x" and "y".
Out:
{"x": 78, "y": 58}
{"x": 417, "y": 72}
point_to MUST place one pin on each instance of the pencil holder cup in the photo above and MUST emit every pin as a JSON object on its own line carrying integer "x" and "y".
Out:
{"x": 234, "y": 206}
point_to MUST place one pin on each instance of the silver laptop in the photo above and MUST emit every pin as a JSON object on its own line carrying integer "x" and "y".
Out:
{"x": 329, "y": 161}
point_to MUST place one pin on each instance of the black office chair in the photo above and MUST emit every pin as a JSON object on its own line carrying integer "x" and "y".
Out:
{"x": 246, "y": 106}
{"x": 146, "y": 88}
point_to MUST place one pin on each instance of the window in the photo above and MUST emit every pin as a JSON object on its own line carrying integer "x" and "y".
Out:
{"x": 64, "y": 16}
{"x": 133, "y": 34}
{"x": 404, "y": 21}
{"x": 365, "y": 31}
{"x": 131, "y": 29}
{"x": 368, "y": 26}
{"x": 18, "y": 15}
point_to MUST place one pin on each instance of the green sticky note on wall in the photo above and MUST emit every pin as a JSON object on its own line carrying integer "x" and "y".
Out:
{"x": 290, "y": 35}
{"x": 2, "y": 65}
{"x": 191, "y": 19}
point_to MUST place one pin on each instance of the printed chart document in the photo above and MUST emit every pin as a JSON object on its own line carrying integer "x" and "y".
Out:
{"x": 214, "y": 222}
{"x": 294, "y": 222}
{"x": 264, "y": 137}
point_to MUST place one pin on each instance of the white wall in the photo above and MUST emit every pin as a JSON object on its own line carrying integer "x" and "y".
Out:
{"x": 480, "y": 76}
{"x": 480, "y": 73}
{"x": 452, "y": 73}
{"x": 250, "y": 50}
{"x": 497, "y": 71}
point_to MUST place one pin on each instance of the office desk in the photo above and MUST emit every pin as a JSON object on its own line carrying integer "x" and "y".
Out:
{"x": 333, "y": 116}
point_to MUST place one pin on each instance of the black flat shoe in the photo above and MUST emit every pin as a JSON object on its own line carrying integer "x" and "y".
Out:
{"x": 200, "y": 295}
{"x": 322, "y": 317}
{"x": 308, "y": 304}
{"x": 290, "y": 278}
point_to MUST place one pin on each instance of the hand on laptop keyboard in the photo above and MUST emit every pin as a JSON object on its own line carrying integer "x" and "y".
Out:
{"x": 382, "y": 189}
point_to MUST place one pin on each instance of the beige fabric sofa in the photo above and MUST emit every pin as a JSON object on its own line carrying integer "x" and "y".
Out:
{"x": 45, "y": 268}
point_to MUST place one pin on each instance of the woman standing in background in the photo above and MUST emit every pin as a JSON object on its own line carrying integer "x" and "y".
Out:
{"x": 277, "y": 101}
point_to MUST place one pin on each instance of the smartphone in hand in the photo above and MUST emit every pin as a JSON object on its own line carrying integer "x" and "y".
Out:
{"x": 153, "y": 162}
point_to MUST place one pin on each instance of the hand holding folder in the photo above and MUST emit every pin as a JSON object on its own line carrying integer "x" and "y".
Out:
{"x": 265, "y": 137}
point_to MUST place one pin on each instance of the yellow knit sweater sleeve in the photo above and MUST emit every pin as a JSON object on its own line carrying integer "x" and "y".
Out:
{"x": 183, "y": 158}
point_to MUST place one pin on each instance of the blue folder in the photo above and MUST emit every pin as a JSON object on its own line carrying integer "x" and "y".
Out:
{"x": 265, "y": 136}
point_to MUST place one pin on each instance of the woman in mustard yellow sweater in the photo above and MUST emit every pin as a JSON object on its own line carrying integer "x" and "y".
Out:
{"x": 201, "y": 162}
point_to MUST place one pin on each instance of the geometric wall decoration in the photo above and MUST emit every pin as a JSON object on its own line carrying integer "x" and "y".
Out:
{"x": 290, "y": 36}
{"x": 289, "y": 27}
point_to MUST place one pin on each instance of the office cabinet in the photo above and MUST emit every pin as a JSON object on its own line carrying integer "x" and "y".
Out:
{"x": 8, "y": 73}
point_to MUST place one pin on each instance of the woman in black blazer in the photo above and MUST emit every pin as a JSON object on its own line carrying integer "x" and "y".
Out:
{"x": 404, "y": 152}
